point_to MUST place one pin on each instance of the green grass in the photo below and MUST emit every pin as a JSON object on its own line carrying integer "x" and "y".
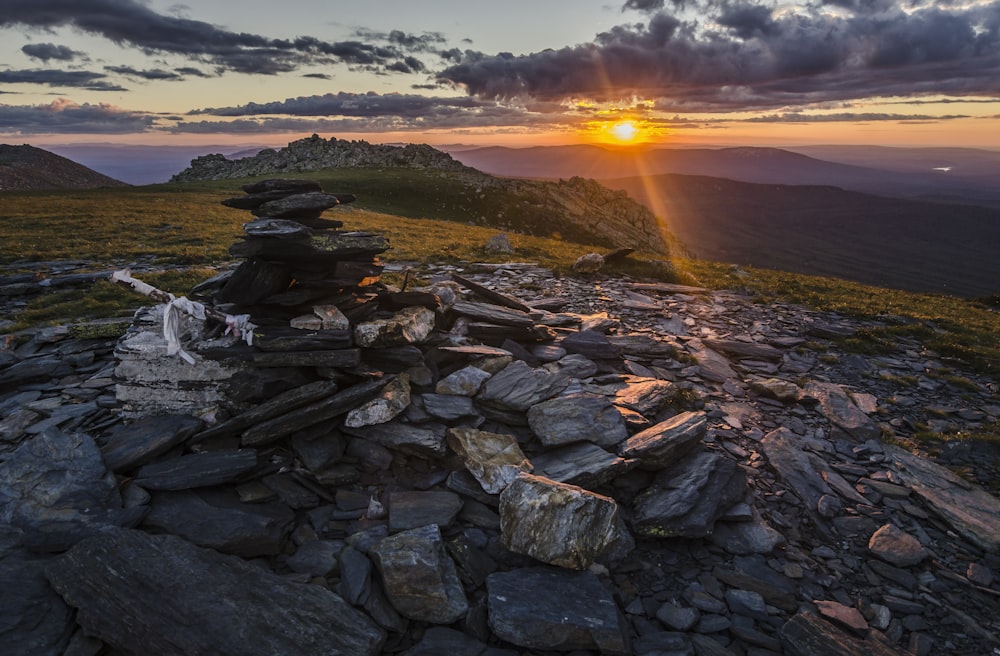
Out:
{"x": 432, "y": 217}
{"x": 955, "y": 328}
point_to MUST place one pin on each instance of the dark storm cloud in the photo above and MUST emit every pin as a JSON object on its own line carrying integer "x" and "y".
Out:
{"x": 849, "y": 117}
{"x": 132, "y": 23}
{"x": 56, "y": 78}
{"x": 741, "y": 55}
{"x": 65, "y": 117}
{"x": 369, "y": 104}
{"x": 191, "y": 72}
{"x": 149, "y": 74}
{"x": 49, "y": 51}
{"x": 643, "y": 5}
{"x": 369, "y": 112}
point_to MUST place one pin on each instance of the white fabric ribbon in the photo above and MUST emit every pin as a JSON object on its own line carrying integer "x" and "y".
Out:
{"x": 173, "y": 319}
{"x": 240, "y": 326}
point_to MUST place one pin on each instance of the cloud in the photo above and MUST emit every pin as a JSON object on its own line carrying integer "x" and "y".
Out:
{"x": 643, "y": 5}
{"x": 63, "y": 116}
{"x": 849, "y": 117}
{"x": 371, "y": 112}
{"x": 729, "y": 56}
{"x": 49, "y": 51}
{"x": 134, "y": 24}
{"x": 151, "y": 74}
{"x": 57, "y": 78}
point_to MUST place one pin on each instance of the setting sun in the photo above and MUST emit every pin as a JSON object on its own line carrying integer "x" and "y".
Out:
{"x": 624, "y": 131}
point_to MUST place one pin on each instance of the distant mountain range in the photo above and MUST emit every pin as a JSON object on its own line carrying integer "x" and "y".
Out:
{"x": 827, "y": 231}
{"x": 951, "y": 175}
{"x": 27, "y": 168}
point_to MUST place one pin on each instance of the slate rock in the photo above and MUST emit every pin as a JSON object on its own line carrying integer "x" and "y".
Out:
{"x": 415, "y": 509}
{"x": 895, "y": 546}
{"x": 136, "y": 443}
{"x": 662, "y": 444}
{"x": 808, "y": 634}
{"x": 217, "y": 519}
{"x": 197, "y": 470}
{"x": 836, "y": 405}
{"x": 467, "y": 381}
{"x": 646, "y": 396}
{"x": 426, "y": 440}
{"x": 590, "y": 344}
{"x": 134, "y": 590}
{"x": 307, "y": 205}
{"x": 389, "y": 404}
{"x": 439, "y": 640}
{"x": 518, "y": 387}
{"x": 556, "y": 609}
{"x": 583, "y": 463}
{"x": 970, "y": 510}
{"x": 556, "y": 523}
{"x": 419, "y": 576}
{"x": 315, "y": 558}
{"x": 687, "y": 498}
{"x": 751, "y": 350}
{"x": 355, "y": 576}
{"x": 33, "y": 617}
{"x": 783, "y": 390}
{"x": 55, "y": 488}
{"x": 411, "y": 325}
{"x": 33, "y": 370}
{"x": 678, "y": 618}
{"x": 494, "y": 459}
{"x": 742, "y": 538}
{"x": 448, "y": 407}
{"x": 286, "y": 186}
{"x": 577, "y": 417}
{"x": 846, "y": 616}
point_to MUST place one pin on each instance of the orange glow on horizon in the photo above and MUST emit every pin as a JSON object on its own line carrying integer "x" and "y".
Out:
{"x": 624, "y": 130}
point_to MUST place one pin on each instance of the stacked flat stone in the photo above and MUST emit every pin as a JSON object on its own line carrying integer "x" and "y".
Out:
{"x": 294, "y": 259}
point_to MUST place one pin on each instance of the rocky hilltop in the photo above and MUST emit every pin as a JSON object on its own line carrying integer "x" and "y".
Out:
{"x": 26, "y": 167}
{"x": 505, "y": 462}
{"x": 315, "y": 154}
{"x": 578, "y": 209}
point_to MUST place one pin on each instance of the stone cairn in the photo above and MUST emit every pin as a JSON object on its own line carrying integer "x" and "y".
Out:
{"x": 446, "y": 470}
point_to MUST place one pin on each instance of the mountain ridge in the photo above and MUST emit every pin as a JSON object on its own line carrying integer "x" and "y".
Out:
{"x": 25, "y": 167}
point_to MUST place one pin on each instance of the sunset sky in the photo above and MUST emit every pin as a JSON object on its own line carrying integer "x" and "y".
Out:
{"x": 517, "y": 72}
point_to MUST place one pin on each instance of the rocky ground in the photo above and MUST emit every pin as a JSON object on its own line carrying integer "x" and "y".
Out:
{"x": 712, "y": 475}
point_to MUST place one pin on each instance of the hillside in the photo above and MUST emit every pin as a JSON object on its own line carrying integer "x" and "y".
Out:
{"x": 24, "y": 168}
{"x": 421, "y": 182}
{"x": 916, "y": 246}
{"x": 745, "y": 164}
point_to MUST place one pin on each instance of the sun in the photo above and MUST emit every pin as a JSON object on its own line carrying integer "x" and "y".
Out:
{"x": 624, "y": 130}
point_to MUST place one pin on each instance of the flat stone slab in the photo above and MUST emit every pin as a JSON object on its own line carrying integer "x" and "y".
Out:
{"x": 660, "y": 445}
{"x": 970, "y": 510}
{"x": 518, "y": 387}
{"x": 136, "y": 591}
{"x": 134, "y": 444}
{"x": 408, "y": 326}
{"x": 836, "y": 405}
{"x": 583, "y": 463}
{"x": 426, "y": 440}
{"x": 549, "y": 608}
{"x": 687, "y": 498}
{"x": 197, "y": 470}
{"x": 577, "y": 417}
{"x": 494, "y": 459}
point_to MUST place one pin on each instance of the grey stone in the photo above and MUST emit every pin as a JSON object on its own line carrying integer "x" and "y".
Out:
{"x": 493, "y": 459}
{"x": 390, "y": 402}
{"x": 577, "y": 417}
{"x": 411, "y": 325}
{"x": 551, "y": 608}
{"x": 136, "y": 443}
{"x": 591, "y": 344}
{"x": 440, "y": 640}
{"x": 678, "y": 618}
{"x": 555, "y": 523}
{"x": 217, "y": 519}
{"x": 316, "y": 557}
{"x": 837, "y": 406}
{"x": 467, "y": 381}
{"x": 197, "y": 470}
{"x": 420, "y": 577}
{"x": 807, "y": 634}
{"x": 415, "y": 509}
{"x": 688, "y": 497}
{"x": 518, "y": 387}
{"x": 426, "y": 440}
{"x": 583, "y": 463}
{"x": 33, "y": 618}
{"x": 662, "y": 444}
{"x": 55, "y": 488}
{"x": 355, "y": 576}
{"x": 895, "y": 546}
{"x": 747, "y": 603}
{"x": 742, "y": 538}
{"x": 449, "y": 407}
{"x": 134, "y": 590}
{"x": 646, "y": 396}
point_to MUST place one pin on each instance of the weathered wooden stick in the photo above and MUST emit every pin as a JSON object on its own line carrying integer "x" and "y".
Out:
{"x": 124, "y": 277}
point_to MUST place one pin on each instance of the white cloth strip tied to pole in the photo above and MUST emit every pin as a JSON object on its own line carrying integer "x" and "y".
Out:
{"x": 238, "y": 325}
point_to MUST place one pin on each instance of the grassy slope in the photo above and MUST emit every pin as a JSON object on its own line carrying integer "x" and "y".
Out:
{"x": 166, "y": 224}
